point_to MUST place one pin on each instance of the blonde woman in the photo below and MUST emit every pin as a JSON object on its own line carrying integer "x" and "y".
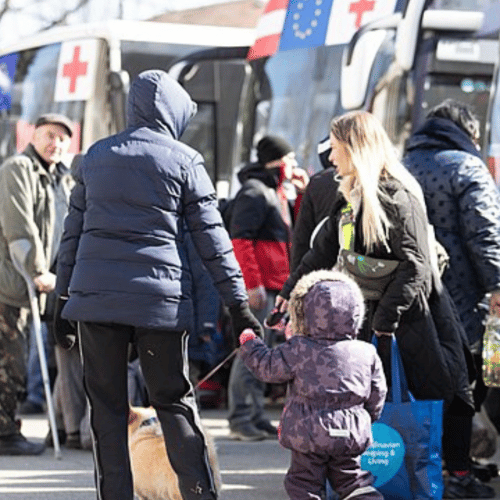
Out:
{"x": 386, "y": 206}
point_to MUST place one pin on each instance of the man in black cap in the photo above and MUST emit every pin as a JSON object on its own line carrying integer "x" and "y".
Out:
{"x": 34, "y": 194}
{"x": 260, "y": 225}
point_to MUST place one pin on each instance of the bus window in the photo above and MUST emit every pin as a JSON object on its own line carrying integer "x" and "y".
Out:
{"x": 32, "y": 94}
{"x": 200, "y": 134}
{"x": 300, "y": 98}
{"x": 140, "y": 56}
{"x": 472, "y": 90}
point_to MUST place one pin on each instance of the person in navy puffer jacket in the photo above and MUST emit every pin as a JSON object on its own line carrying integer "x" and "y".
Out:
{"x": 337, "y": 387}
{"x": 123, "y": 275}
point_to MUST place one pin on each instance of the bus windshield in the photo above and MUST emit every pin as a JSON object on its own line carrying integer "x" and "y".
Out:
{"x": 33, "y": 73}
{"x": 300, "y": 95}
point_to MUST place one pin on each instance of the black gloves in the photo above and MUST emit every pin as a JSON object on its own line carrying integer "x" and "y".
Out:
{"x": 63, "y": 331}
{"x": 241, "y": 318}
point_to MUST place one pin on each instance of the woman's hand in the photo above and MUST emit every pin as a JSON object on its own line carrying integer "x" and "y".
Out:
{"x": 300, "y": 179}
{"x": 281, "y": 304}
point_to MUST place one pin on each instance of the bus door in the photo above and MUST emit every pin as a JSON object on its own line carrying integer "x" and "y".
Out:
{"x": 220, "y": 82}
{"x": 459, "y": 68}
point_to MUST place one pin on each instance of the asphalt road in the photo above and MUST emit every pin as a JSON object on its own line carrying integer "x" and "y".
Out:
{"x": 250, "y": 471}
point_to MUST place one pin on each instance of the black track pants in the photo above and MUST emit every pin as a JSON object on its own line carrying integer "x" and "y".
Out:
{"x": 163, "y": 356}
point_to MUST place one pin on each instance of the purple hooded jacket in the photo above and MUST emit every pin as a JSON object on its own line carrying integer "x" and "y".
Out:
{"x": 337, "y": 386}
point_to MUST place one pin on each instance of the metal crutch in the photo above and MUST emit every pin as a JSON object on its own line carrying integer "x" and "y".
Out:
{"x": 37, "y": 329}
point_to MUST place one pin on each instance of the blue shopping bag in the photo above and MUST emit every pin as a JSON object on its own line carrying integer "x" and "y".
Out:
{"x": 406, "y": 453}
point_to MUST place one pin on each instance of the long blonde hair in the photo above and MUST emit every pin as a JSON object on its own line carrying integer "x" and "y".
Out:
{"x": 372, "y": 157}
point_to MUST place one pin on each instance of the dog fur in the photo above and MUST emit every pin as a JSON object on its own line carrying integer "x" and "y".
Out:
{"x": 154, "y": 477}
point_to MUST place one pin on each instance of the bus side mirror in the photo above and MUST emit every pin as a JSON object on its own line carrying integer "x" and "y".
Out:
{"x": 357, "y": 64}
{"x": 407, "y": 33}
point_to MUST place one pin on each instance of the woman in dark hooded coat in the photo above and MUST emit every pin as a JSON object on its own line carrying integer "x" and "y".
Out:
{"x": 463, "y": 205}
{"x": 390, "y": 222}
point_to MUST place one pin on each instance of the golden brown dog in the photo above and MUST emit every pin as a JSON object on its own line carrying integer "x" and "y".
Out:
{"x": 154, "y": 478}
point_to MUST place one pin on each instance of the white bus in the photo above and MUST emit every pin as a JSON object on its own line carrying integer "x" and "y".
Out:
{"x": 420, "y": 58}
{"x": 83, "y": 71}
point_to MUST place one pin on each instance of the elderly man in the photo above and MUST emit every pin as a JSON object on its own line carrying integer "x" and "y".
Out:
{"x": 33, "y": 185}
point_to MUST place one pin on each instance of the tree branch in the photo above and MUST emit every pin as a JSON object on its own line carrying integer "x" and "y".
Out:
{"x": 64, "y": 16}
{"x": 8, "y": 9}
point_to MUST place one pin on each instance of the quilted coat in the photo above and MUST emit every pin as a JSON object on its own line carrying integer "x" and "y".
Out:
{"x": 122, "y": 257}
{"x": 336, "y": 385}
{"x": 463, "y": 204}
{"x": 415, "y": 306}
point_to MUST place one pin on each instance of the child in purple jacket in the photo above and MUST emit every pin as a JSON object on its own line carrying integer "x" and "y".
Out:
{"x": 336, "y": 387}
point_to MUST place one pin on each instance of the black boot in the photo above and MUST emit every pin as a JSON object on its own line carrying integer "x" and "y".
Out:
{"x": 468, "y": 486}
{"x": 17, "y": 444}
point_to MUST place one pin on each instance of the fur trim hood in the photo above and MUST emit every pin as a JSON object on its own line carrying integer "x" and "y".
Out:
{"x": 326, "y": 304}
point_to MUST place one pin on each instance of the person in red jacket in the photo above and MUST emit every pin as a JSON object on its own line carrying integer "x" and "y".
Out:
{"x": 260, "y": 228}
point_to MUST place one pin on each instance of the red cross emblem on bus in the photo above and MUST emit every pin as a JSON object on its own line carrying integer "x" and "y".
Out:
{"x": 74, "y": 69}
{"x": 359, "y": 8}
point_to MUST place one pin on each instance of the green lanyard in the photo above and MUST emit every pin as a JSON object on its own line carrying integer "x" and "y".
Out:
{"x": 347, "y": 228}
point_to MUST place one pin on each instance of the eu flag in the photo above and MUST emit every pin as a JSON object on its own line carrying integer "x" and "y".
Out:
{"x": 306, "y": 24}
{"x": 7, "y": 71}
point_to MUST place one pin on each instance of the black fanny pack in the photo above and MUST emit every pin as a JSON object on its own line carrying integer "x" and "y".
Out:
{"x": 371, "y": 274}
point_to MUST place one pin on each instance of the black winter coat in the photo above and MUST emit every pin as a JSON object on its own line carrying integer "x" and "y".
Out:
{"x": 316, "y": 204}
{"x": 415, "y": 306}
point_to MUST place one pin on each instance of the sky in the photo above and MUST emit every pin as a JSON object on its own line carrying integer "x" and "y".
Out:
{"x": 26, "y": 20}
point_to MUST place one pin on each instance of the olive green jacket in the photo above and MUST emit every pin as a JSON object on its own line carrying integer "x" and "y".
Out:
{"x": 30, "y": 200}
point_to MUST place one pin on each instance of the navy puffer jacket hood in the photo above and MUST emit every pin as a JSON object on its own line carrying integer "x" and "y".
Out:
{"x": 157, "y": 100}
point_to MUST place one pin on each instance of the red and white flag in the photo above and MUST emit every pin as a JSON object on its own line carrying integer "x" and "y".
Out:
{"x": 76, "y": 70}
{"x": 347, "y": 16}
{"x": 269, "y": 29}
{"x": 292, "y": 24}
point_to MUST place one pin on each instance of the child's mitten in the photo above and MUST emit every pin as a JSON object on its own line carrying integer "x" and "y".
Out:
{"x": 247, "y": 334}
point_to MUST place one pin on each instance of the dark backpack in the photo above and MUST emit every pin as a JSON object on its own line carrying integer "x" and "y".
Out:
{"x": 226, "y": 209}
